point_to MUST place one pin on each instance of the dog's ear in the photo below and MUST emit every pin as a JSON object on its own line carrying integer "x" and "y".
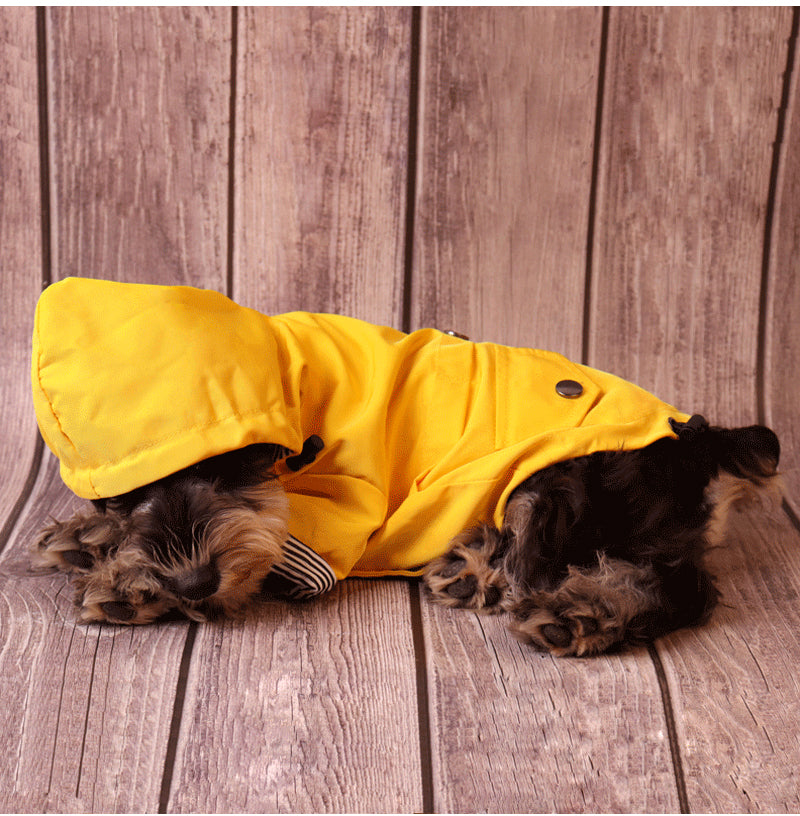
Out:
{"x": 747, "y": 453}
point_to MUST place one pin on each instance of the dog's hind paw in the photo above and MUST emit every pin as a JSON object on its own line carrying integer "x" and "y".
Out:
{"x": 590, "y": 611}
{"x": 566, "y": 632}
{"x": 470, "y": 575}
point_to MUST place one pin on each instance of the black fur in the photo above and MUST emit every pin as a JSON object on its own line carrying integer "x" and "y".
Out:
{"x": 647, "y": 507}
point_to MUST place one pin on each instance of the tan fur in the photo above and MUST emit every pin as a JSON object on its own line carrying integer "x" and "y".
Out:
{"x": 521, "y": 508}
{"x": 590, "y": 611}
{"x": 124, "y": 579}
{"x": 728, "y": 493}
{"x": 470, "y": 559}
{"x": 245, "y": 544}
{"x": 204, "y": 543}
{"x": 82, "y": 533}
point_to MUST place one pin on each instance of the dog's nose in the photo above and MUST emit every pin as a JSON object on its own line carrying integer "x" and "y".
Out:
{"x": 196, "y": 585}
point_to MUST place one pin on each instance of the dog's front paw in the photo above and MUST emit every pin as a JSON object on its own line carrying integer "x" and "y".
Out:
{"x": 75, "y": 545}
{"x": 470, "y": 575}
{"x": 106, "y": 595}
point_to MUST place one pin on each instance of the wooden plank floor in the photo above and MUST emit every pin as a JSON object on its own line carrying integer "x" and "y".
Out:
{"x": 619, "y": 185}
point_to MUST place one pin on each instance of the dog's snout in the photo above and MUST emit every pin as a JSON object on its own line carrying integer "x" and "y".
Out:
{"x": 197, "y": 584}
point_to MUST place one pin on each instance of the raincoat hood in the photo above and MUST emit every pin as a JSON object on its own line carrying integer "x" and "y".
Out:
{"x": 424, "y": 434}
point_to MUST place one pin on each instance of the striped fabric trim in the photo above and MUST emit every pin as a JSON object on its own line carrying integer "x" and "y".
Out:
{"x": 304, "y": 574}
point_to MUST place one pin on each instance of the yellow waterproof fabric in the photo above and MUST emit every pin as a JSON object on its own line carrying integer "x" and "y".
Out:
{"x": 425, "y": 434}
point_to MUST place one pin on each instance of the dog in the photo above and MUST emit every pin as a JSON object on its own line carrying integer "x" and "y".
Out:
{"x": 590, "y": 534}
{"x": 595, "y": 552}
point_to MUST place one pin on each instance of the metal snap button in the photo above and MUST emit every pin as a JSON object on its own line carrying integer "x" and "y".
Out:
{"x": 569, "y": 389}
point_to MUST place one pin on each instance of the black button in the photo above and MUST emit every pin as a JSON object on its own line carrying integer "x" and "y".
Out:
{"x": 569, "y": 389}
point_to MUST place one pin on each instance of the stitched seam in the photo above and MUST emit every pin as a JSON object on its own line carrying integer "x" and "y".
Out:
{"x": 49, "y": 401}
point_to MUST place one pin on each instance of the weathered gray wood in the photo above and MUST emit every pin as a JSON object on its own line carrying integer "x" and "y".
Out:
{"x": 690, "y": 114}
{"x": 502, "y": 225}
{"x": 506, "y": 134}
{"x": 517, "y": 731}
{"x": 781, "y": 387}
{"x": 140, "y": 108}
{"x": 138, "y": 128}
{"x": 313, "y": 707}
{"x": 86, "y": 710}
{"x": 309, "y": 708}
{"x": 20, "y": 246}
{"x": 321, "y": 144}
{"x": 734, "y": 681}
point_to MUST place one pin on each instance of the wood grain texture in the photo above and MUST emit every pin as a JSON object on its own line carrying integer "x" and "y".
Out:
{"x": 86, "y": 709}
{"x": 139, "y": 125}
{"x": 690, "y": 115}
{"x": 321, "y": 140}
{"x": 516, "y": 731}
{"x": 734, "y": 681}
{"x": 315, "y": 707}
{"x": 504, "y": 173}
{"x": 309, "y": 708}
{"x": 782, "y": 332}
{"x": 20, "y": 246}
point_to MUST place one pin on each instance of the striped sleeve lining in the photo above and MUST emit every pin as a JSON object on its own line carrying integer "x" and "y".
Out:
{"x": 305, "y": 574}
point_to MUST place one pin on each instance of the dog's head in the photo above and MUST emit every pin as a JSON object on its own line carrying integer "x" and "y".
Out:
{"x": 201, "y": 541}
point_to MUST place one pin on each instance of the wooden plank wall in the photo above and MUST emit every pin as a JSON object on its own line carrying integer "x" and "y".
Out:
{"x": 619, "y": 185}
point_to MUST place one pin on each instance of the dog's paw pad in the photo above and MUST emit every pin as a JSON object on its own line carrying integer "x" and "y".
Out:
{"x": 59, "y": 547}
{"x": 452, "y": 568}
{"x": 593, "y": 610}
{"x": 548, "y": 625}
{"x": 463, "y": 588}
{"x": 557, "y": 635}
{"x": 118, "y": 611}
{"x": 102, "y": 596}
{"x": 79, "y": 559}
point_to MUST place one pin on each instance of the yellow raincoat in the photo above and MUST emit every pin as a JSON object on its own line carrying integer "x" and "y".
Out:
{"x": 424, "y": 434}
